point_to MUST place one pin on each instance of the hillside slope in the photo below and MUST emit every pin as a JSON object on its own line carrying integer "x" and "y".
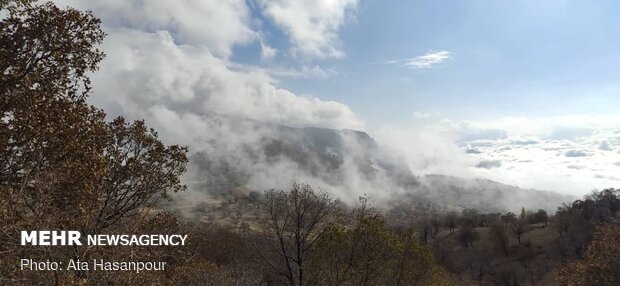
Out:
{"x": 346, "y": 163}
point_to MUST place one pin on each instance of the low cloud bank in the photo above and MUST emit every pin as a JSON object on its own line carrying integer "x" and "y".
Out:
{"x": 567, "y": 154}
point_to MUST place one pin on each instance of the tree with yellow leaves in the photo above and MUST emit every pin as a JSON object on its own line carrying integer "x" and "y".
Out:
{"x": 600, "y": 265}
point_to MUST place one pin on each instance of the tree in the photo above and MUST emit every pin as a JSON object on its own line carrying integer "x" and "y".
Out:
{"x": 600, "y": 264}
{"x": 479, "y": 263}
{"x": 541, "y": 216}
{"x": 369, "y": 253}
{"x": 450, "y": 221}
{"x": 290, "y": 226}
{"x": 470, "y": 217}
{"x": 354, "y": 256}
{"x": 51, "y": 141}
{"x": 585, "y": 208}
{"x": 499, "y": 236}
{"x": 562, "y": 220}
{"x": 140, "y": 170}
{"x": 62, "y": 165}
{"x": 436, "y": 223}
{"x": 466, "y": 235}
{"x": 607, "y": 204}
{"x": 508, "y": 218}
{"x": 425, "y": 228}
{"x": 519, "y": 227}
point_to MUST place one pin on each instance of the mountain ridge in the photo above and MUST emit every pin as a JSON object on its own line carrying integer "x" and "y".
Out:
{"x": 348, "y": 163}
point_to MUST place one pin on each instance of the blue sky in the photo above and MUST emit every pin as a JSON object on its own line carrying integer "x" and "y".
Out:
{"x": 509, "y": 58}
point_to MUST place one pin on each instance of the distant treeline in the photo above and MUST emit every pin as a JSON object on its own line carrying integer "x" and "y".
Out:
{"x": 360, "y": 246}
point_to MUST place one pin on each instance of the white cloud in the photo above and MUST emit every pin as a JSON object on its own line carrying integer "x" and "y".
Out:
{"x": 174, "y": 55}
{"x": 150, "y": 70}
{"x": 267, "y": 53}
{"x": 524, "y": 152}
{"x": 539, "y": 159}
{"x": 605, "y": 146}
{"x": 428, "y": 60}
{"x": 422, "y": 115}
{"x": 312, "y": 26}
{"x": 427, "y": 148}
{"x": 215, "y": 24}
{"x": 303, "y": 72}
